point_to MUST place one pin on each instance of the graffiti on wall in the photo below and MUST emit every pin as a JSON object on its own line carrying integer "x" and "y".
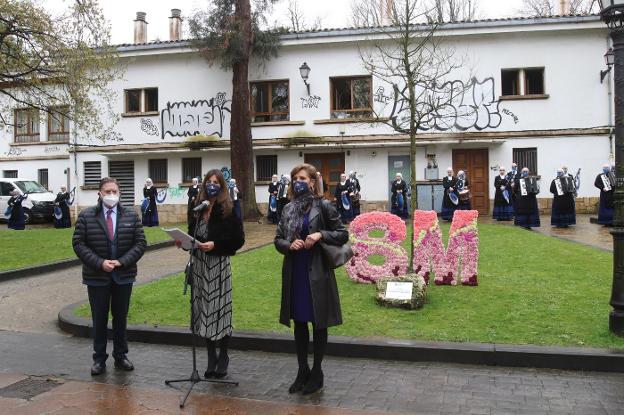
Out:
{"x": 513, "y": 116}
{"x": 190, "y": 118}
{"x": 453, "y": 105}
{"x": 52, "y": 149}
{"x": 15, "y": 152}
{"x": 148, "y": 127}
{"x": 310, "y": 102}
{"x": 380, "y": 96}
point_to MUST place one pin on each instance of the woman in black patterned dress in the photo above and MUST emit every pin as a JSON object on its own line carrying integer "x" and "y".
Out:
{"x": 220, "y": 233}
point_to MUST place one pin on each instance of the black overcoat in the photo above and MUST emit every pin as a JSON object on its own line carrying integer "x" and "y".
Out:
{"x": 325, "y": 299}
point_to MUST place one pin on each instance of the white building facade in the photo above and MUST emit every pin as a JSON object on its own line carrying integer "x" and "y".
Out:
{"x": 529, "y": 91}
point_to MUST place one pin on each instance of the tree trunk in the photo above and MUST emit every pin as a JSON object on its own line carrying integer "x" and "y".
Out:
{"x": 241, "y": 146}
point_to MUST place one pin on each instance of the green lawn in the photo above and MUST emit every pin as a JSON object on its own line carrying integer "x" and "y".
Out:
{"x": 533, "y": 289}
{"x": 37, "y": 246}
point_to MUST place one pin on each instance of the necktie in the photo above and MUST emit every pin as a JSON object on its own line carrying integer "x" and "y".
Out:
{"x": 109, "y": 224}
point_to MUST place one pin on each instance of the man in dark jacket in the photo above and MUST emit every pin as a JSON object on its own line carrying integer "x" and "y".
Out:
{"x": 109, "y": 241}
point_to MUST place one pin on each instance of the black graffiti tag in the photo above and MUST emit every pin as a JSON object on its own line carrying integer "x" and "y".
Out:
{"x": 15, "y": 152}
{"x": 189, "y": 118}
{"x": 310, "y": 102}
{"x": 453, "y": 105}
{"x": 148, "y": 127}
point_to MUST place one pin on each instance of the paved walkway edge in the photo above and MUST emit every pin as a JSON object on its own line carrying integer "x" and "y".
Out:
{"x": 590, "y": 359}
{"x": 68, "y": 263}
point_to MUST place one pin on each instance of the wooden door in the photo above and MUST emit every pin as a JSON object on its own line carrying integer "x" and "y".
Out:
{"x": 331, "y": 167}
{"x": 475, "y": 163}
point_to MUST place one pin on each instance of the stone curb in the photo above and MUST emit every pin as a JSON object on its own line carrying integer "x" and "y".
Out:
{"x": 68, "y": 263}
{"x": 590, "y": 359}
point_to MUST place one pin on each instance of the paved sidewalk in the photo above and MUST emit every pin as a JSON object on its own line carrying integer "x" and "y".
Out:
{"x": 33, "y": 303}
{"x": 354, "y": 384}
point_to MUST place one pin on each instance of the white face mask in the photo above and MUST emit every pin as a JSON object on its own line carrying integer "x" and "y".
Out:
{"x": 110, "y": 201}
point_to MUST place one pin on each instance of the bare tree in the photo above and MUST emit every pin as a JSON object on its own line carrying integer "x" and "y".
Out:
{"x": 410, "y": 59}
{"x": 59, "y": 64}
{"x": 369, "y": 13}
{"x": 452, "y": 10}
{"x": 297, "y": 20}
{"x": 542, "y": 8}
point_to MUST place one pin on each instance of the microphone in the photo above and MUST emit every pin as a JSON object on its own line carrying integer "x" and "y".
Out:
{"x": 203, "y": 205}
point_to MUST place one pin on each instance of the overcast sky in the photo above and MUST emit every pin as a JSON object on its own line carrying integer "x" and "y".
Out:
{"x": 333, "y": 13}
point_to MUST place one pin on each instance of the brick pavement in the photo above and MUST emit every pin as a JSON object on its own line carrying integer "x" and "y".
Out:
{"x": 351, "y": 384}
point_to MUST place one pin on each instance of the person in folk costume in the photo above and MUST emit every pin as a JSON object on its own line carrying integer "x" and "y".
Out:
{"x": 355, "y": 199}
{"x": 463, "y": 185}
{"x": 309, "y": 289}
{"x": 16, "y": 220}
{"x": 450, "y": 187}
{"x": 236, "y": 196}
{"x": 150, "y": 213}
{"x": 192, "y": 194}
{"x": 399, "y": 197}
{"x": 273, "y": 189}
{"x": 282, "y": 195}
{"x": 605, "y": 211}
{"x": 563, "y": 212}
{"x": 220, "y": 233}
{"x": 62, "y": 201}
{"x": 526, "y": 210}
{"x": 343, "y": 202}
{"x": 503, "y": 208}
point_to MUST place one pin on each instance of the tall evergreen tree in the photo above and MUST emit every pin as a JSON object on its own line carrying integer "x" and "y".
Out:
{"x": 228, "y": 33}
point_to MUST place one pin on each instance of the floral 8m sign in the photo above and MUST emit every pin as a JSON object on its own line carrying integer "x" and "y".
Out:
{"x": 460, "y": 259}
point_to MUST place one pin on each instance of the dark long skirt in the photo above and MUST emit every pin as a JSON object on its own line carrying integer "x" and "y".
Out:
{"x": 150, "y": 217}
{"x": 63, "y": 222}
{"x": 605, "y": 214}
{"x": 563, "y": 211}
{"x": 503, "y": 212}
{"x": 448, "y": 212}
{"x": 528, "y": 219}
{"x": 17, "y": 221}
{"x": 302, "y": 308}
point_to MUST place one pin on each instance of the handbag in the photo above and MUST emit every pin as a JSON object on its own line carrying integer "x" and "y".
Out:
{"x": 334, "y": 256}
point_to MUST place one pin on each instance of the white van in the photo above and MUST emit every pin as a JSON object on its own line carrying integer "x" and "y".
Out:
{"x": 39, "y": 204}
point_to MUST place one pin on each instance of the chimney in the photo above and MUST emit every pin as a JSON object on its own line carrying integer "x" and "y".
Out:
{"x": 564, "y": 7}
{"x": 385, "y": 11}
{"x": 140, "y": 28}
{"x": 175, "y": 25}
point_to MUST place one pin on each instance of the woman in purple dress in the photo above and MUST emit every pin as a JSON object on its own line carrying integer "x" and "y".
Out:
{"x": 309, "y": 289}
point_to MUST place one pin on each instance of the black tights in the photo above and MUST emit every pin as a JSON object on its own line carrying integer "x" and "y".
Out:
{"x": 302, "y": 339}
{"x": 211, "y": 347}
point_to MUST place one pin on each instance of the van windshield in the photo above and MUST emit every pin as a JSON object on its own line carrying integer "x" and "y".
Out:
{"x": 30, "y": 187}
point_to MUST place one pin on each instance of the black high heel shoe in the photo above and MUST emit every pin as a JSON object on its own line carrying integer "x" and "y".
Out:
{"x": 222, "y": 367}
{"x": 314, "y": 383}
{"x": 300, "y": 381}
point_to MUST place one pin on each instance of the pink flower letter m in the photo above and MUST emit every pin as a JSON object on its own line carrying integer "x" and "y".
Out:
{"x": 463, "y": 247}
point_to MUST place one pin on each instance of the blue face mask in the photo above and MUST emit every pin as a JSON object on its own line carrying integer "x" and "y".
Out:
{"x": 525, "y": 174}
{"x": 300, "y": 187}
{"x": 606, "y": 170}
{"x": 559, "y": 174}
{"x": 212, "y": 189}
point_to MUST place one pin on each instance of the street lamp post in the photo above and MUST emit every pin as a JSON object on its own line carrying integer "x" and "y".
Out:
{"x": 612, "y": 13}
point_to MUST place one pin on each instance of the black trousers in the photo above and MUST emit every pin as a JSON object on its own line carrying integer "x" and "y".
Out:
{"x": 116, "y": 298}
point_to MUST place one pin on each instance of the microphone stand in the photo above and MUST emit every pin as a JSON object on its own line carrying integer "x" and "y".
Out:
{"x": 194, "y": 378}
